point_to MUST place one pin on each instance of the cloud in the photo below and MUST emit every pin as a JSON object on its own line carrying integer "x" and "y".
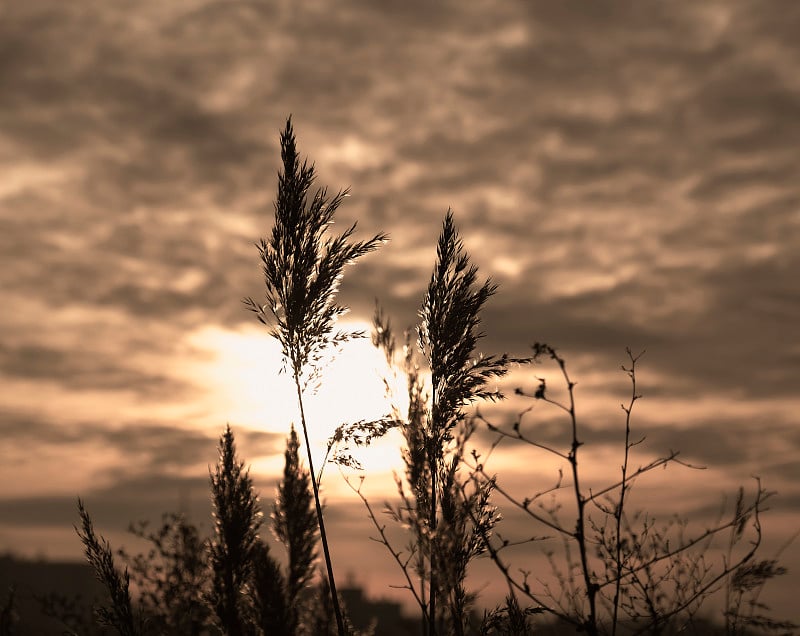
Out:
{"x": 148, "y": 446}
{"x": 140, "y": 499}
{"x": 78, "y": 371}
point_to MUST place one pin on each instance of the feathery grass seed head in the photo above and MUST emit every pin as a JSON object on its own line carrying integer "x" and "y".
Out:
{"x": 302, "y": 266}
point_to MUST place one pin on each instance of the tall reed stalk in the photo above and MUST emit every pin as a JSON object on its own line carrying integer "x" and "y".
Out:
{"x": 302, "y": 271}
{"x": 233, "y": 551}
{"x": 447, "y": 338}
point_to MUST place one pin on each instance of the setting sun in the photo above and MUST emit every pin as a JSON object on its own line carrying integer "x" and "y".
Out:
{"x": 240, "y": 369}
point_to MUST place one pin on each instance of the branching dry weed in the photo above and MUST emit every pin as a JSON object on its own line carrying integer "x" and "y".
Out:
{"x": 618, "y": 571}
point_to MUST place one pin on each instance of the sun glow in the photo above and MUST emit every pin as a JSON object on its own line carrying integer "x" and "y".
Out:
{"x": 242, "y": 370}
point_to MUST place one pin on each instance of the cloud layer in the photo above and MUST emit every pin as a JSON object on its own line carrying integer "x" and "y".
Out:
{"x": 626, "y": 171}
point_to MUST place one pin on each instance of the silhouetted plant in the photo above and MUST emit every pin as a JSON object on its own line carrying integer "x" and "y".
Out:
{"x": 295, "y": 525}
{"x": 302, "y": 271}
{"x": 413, "y": 511}
{"x": 626, "y": 565}
{"x": 237, "y": 518}
{"x": 744, "y": 611}
{"x": 274, "y": 613}
{"x": 442, "y": 514}
{"x": 467, "y": 516}
{"x": 173, "y": 576}
{"x": 509, "y": 620}
{"x": 119, "y": 614}
{"x": 447, "y": 338}
{"x": 72, "y": 611}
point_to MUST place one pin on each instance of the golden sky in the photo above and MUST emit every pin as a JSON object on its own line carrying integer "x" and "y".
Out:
{"x": 626, "y": 171}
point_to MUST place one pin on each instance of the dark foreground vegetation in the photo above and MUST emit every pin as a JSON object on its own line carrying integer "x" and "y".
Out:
{"x": 613, "y": 570}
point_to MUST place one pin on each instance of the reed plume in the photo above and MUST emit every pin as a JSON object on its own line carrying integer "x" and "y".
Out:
{"x": 302, "y": 271}
{"x": 447, "y": 338}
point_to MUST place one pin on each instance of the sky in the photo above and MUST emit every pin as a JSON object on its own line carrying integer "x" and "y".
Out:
{"x": 626, "y": 172}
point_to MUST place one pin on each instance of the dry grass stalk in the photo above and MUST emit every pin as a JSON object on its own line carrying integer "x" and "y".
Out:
{"x": 119, "y": 614}
{"x": 302, "y": 270}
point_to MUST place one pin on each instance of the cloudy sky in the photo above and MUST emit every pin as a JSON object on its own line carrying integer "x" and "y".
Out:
{"x": 627, "y": 172}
